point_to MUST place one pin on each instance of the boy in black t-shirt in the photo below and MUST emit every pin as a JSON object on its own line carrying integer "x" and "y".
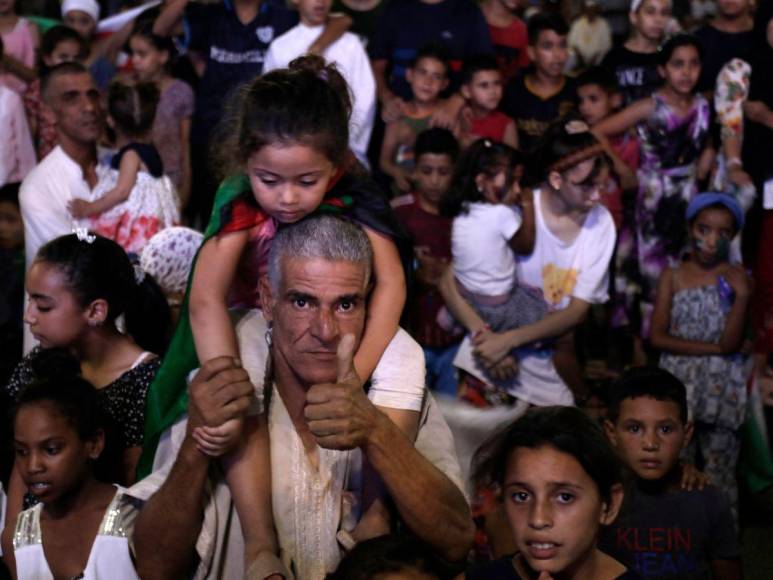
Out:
{"x": 664, "y": 531}
{"x": 543, "y": 93}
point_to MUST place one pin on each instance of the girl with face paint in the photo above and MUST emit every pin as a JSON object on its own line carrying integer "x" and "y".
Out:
{"x": 698, "y": 324}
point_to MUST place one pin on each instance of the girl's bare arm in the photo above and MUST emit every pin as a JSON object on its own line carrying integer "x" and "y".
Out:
{"x": 213, "y": 276}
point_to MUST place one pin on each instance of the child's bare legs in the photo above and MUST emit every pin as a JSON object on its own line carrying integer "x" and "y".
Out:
{"x": 248, "y": 474}
{"x": 375, "y": 520}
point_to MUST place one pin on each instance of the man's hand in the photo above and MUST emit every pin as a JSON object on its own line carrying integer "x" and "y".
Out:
{"x": 219, "y": 392}
{"x": 392, "y": 109}
{"x": 340, "y": 415}
{"x": 430, "y": 268}
{"x": 491, "y": 347}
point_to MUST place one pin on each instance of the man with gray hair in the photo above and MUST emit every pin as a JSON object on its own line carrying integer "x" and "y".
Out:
{"x": 322, "y": 426}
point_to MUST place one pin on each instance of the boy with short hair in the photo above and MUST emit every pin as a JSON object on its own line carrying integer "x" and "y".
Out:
{"x": 537, "y": 97}
{"x": 482, "y": 89}
{"x": 347, "y": 53}
{"x": 663, "y": 531}
{"x": 598, "y": 97}
{"x": 428, "y": 77}
{"x": 435, "y": 151}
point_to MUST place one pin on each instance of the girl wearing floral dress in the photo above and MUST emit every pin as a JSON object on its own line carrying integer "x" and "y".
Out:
{"x": 672, "y": 126}
{"x": 698, "y": 323}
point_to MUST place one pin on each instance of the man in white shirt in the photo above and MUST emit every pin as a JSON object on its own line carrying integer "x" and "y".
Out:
{"x": 70, "y": 170}
{"x": 321, "y": 423}
{"x": 349, "y": 56}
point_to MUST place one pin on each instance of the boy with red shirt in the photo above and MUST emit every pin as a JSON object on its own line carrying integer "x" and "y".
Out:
{"x": 419, "y": 213}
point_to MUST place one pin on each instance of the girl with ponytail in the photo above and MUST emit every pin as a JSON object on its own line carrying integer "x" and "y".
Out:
{"x": 79, "y": 285}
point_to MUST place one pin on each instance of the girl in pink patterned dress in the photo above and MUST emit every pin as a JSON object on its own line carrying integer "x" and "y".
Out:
{"x": 136, "y": 200}
{"x": 20, "y": 38}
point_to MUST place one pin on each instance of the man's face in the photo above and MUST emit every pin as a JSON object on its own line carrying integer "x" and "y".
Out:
{"x": 649, "y": 435}
{"x": 318, "y": 302}
{"x": 74, "y": 101}
{"x": 550, "y": 53}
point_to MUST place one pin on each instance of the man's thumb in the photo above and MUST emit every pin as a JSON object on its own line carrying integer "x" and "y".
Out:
{"x": 345, "y": 355}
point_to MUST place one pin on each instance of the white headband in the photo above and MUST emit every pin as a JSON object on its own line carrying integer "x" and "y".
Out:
{"x": 90, "y": 7}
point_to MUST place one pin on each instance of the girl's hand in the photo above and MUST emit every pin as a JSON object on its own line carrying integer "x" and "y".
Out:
{"x": 692, "y": 478}
{"x": 217, "y": 441}
{"x": 402, "y": 182}
{"x": 392, "y": 109}
{"x": 79, "y": 208}
{"x": 739, "y": 177}
{"x": 492, "y": 348}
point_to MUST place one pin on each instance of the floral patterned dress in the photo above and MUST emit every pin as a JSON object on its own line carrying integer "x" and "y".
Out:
{"x": 653, "y": 237}
{"x": 716, "y": 385}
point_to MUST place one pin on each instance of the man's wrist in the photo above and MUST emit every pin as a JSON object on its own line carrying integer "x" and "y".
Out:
{"x": 382, "y": 434}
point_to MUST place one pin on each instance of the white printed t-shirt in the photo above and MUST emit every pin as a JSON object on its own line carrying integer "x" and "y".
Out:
{"x": 484, "y": 263}
{"x": 561, "y": 270}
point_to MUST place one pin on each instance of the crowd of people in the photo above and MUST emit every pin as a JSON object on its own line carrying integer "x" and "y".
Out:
{"x": 385, "y": 288}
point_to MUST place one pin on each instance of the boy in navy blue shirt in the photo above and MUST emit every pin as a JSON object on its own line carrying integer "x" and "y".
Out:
{"x": 540, "y": 95}
{"x": 664, "y": 531}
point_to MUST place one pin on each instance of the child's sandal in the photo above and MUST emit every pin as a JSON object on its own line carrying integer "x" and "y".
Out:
{"x": 265, "y": 565}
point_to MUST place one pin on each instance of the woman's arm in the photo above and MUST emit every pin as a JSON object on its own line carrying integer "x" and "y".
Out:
{"x": 661, "y": 320}
{"x": 111, "y": 45}
{"x": 386, "y": 304}
{"x": 213, "y": 276}
{"x": 184, "y": 193}
{"x": 131, "y": 455}
{"x": 14, "y": 503}
{"x": 523, "y": 240}
{"x": 490, "y": 348}
{"x": 18, "y": 69}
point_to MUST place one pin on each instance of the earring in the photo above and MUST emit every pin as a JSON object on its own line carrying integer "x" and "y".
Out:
{"x": 268, "y": 336}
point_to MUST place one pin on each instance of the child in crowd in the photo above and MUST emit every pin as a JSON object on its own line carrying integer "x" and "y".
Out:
{"x": 673, "y": 127}
{"x": 635, "y": 63}
{"x": 136, "y": 200}
{"x": 590, "y": 37}
{"x": 427, "y": 77}
{"x": 391, "y": 557}
{"x": 21, "y": 39}
{"x": 79, "y": 527}
{"x": 541, "y": 94}
{"x": 168, "y": 257}
{"x": 698, "y": 323}
{"x": 560, "y": 483}
{"x": 11, "y": 279}
{"x": 482, "y": 89}
{"x": 79, "y": 285}
{"x": 59, "y": 44}
{"x": 568, "y": 267}
{"x": 17, "y": 154}
{"x": 598, "y": 97}
{"x": 101, "y": 54}
{"x": 436, "y": 151}
{"x": 152, "y": 57}
{"x": 488, "y": 230}
{"x": 287, "y": 159}
{"x": 508, "y": 35}
{"x": 349, "y": 56}
{"x": 664, "y": 531}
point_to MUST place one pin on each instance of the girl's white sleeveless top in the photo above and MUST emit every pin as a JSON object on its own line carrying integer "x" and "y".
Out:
{"x": 109, "y": 559}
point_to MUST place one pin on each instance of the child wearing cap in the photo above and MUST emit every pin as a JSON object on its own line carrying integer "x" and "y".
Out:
{"x": 698, "y": 324}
